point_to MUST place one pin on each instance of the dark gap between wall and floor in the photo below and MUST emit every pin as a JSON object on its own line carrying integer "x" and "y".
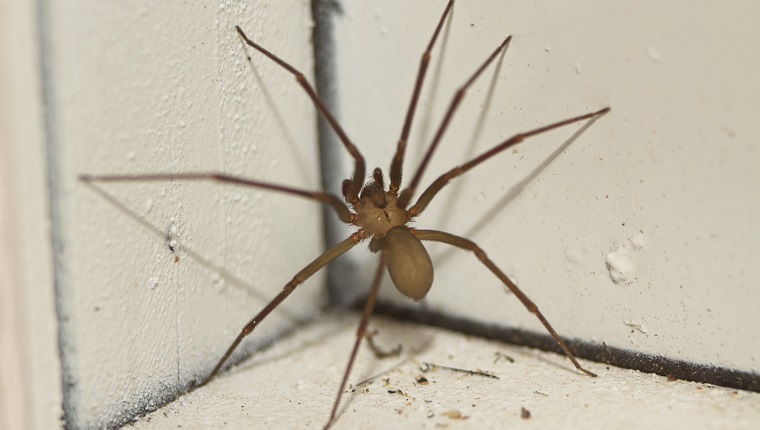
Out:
{"x": 600, "y": 353}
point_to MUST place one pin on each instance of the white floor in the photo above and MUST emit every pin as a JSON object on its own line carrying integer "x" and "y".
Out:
{"x": 293, "y": 385}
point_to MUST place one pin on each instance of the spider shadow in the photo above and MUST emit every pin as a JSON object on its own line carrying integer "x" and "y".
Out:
{"x": 415, "y": 341}
{"x": 329, "y": 327}
{"x": 455, "y": 189}
{"x": 516, "y": 190}
{"x": 229, "y": 278}
{"x": 554, "y": 359}
{"x": 302, "y": 165}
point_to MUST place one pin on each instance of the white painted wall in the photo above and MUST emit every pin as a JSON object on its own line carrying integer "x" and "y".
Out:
{"x": 663, "y": 186}
{"x": 165, "y": 87}
{"x": 154, "y": 87}
{"x": 30, "y": 378}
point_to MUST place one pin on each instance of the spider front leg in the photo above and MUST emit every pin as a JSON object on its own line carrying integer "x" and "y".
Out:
{"x": 408, "y": 192}
{"x": 359, "y": 166}
{"x": 460, "y": 242}
{"x": 398, "y": 159}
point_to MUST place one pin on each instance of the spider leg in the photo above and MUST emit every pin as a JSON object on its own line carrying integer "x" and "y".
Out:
{"x": 460, "y": 242}
{"x": 360, "y": 332}
{"x": 398, "y": 159}
{"x": 444, "y": 179}
{"x": 408, "y": 192}
{"x": 359, "y": 166}
{"x": 298, "y": 279}
{"x": 331, "y": 200}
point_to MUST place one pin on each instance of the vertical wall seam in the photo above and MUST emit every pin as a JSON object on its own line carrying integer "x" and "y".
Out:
{"x": 51, "y": 158}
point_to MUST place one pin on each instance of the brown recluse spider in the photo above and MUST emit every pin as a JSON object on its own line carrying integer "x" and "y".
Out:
{"x": 381, "y": 215}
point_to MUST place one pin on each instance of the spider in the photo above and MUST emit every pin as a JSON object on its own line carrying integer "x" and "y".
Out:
{"x": 381, "y": 210}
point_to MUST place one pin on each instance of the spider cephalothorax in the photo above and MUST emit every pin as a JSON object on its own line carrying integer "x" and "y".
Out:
{"x": 377, "y": 209}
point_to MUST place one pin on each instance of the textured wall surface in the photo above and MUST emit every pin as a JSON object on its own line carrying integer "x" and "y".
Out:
{"x": 156, "y": 279}
{"x": 643, "y": 233}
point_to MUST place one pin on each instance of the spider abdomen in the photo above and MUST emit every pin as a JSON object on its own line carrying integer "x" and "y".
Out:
{"x": 408, "y": 263}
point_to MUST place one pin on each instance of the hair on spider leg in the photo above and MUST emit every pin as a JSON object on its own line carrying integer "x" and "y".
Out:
{"x": 380, "y": 210}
